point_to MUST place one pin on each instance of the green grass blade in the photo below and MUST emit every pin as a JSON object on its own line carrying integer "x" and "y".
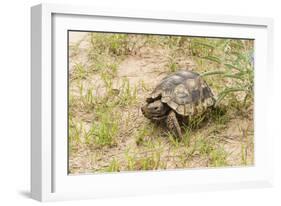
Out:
{"x": 230, "y": 66}
{"x": 235, "y": 76}
{"x": 212, "y": 73}
{"x": 227, "y": 91}
{"x": 197, "y": 43}
{"x": 212, "y": 58}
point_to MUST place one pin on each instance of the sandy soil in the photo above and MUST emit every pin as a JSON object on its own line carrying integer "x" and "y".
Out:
{"x": 148, "y": 67}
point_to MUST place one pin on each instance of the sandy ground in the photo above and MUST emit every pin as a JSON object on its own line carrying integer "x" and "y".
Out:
{"x": 147, "y": 66}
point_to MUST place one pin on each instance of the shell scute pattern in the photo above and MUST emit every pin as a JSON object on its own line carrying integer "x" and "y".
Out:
{"x": 185, "y": 92}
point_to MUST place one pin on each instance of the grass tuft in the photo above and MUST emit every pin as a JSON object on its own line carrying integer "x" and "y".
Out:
{"x": 128, "y": 95}
{"x": 114, "y": 166}
{"x": 105, "y": 129}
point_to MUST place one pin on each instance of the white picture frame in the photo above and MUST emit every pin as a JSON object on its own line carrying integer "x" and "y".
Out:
{"x": 49, "y": 178}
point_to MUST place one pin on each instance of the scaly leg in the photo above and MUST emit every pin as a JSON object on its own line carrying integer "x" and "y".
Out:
{"x": 173, "y": 124}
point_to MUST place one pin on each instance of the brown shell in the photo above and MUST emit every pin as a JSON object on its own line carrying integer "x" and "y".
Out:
{"x": 185, "y": 92}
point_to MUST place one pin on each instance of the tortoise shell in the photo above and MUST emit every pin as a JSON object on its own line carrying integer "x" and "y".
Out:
{"x": 185, "y": 92}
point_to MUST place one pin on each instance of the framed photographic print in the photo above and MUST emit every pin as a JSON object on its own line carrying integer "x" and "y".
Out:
{"x": 135, "y": 102}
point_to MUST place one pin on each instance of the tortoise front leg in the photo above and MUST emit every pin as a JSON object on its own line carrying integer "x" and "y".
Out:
{"x": 173, "y": 124}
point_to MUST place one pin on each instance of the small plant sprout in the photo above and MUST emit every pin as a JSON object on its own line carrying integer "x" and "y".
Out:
{"x": 114, "y": 166}
{"x": 127, "y": 94}
{"x": 105, "y": 130}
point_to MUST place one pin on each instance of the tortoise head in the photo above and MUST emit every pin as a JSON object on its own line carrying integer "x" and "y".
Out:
{"x": 155, "y": 110}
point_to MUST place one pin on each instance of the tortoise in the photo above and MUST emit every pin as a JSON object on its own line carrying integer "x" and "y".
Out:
{"x": 180, "y": 95}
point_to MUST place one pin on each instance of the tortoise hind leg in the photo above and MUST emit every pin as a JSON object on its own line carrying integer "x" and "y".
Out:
{"x": 173, "y": 124}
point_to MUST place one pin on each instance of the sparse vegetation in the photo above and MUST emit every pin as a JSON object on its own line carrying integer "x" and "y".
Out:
{"x": 113, "y": 166}
{"x": 234, "y": 58}
{"x": 128, "y": 95}
{"x": 105, "y": 129}
{"x": 112, "y": 75}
